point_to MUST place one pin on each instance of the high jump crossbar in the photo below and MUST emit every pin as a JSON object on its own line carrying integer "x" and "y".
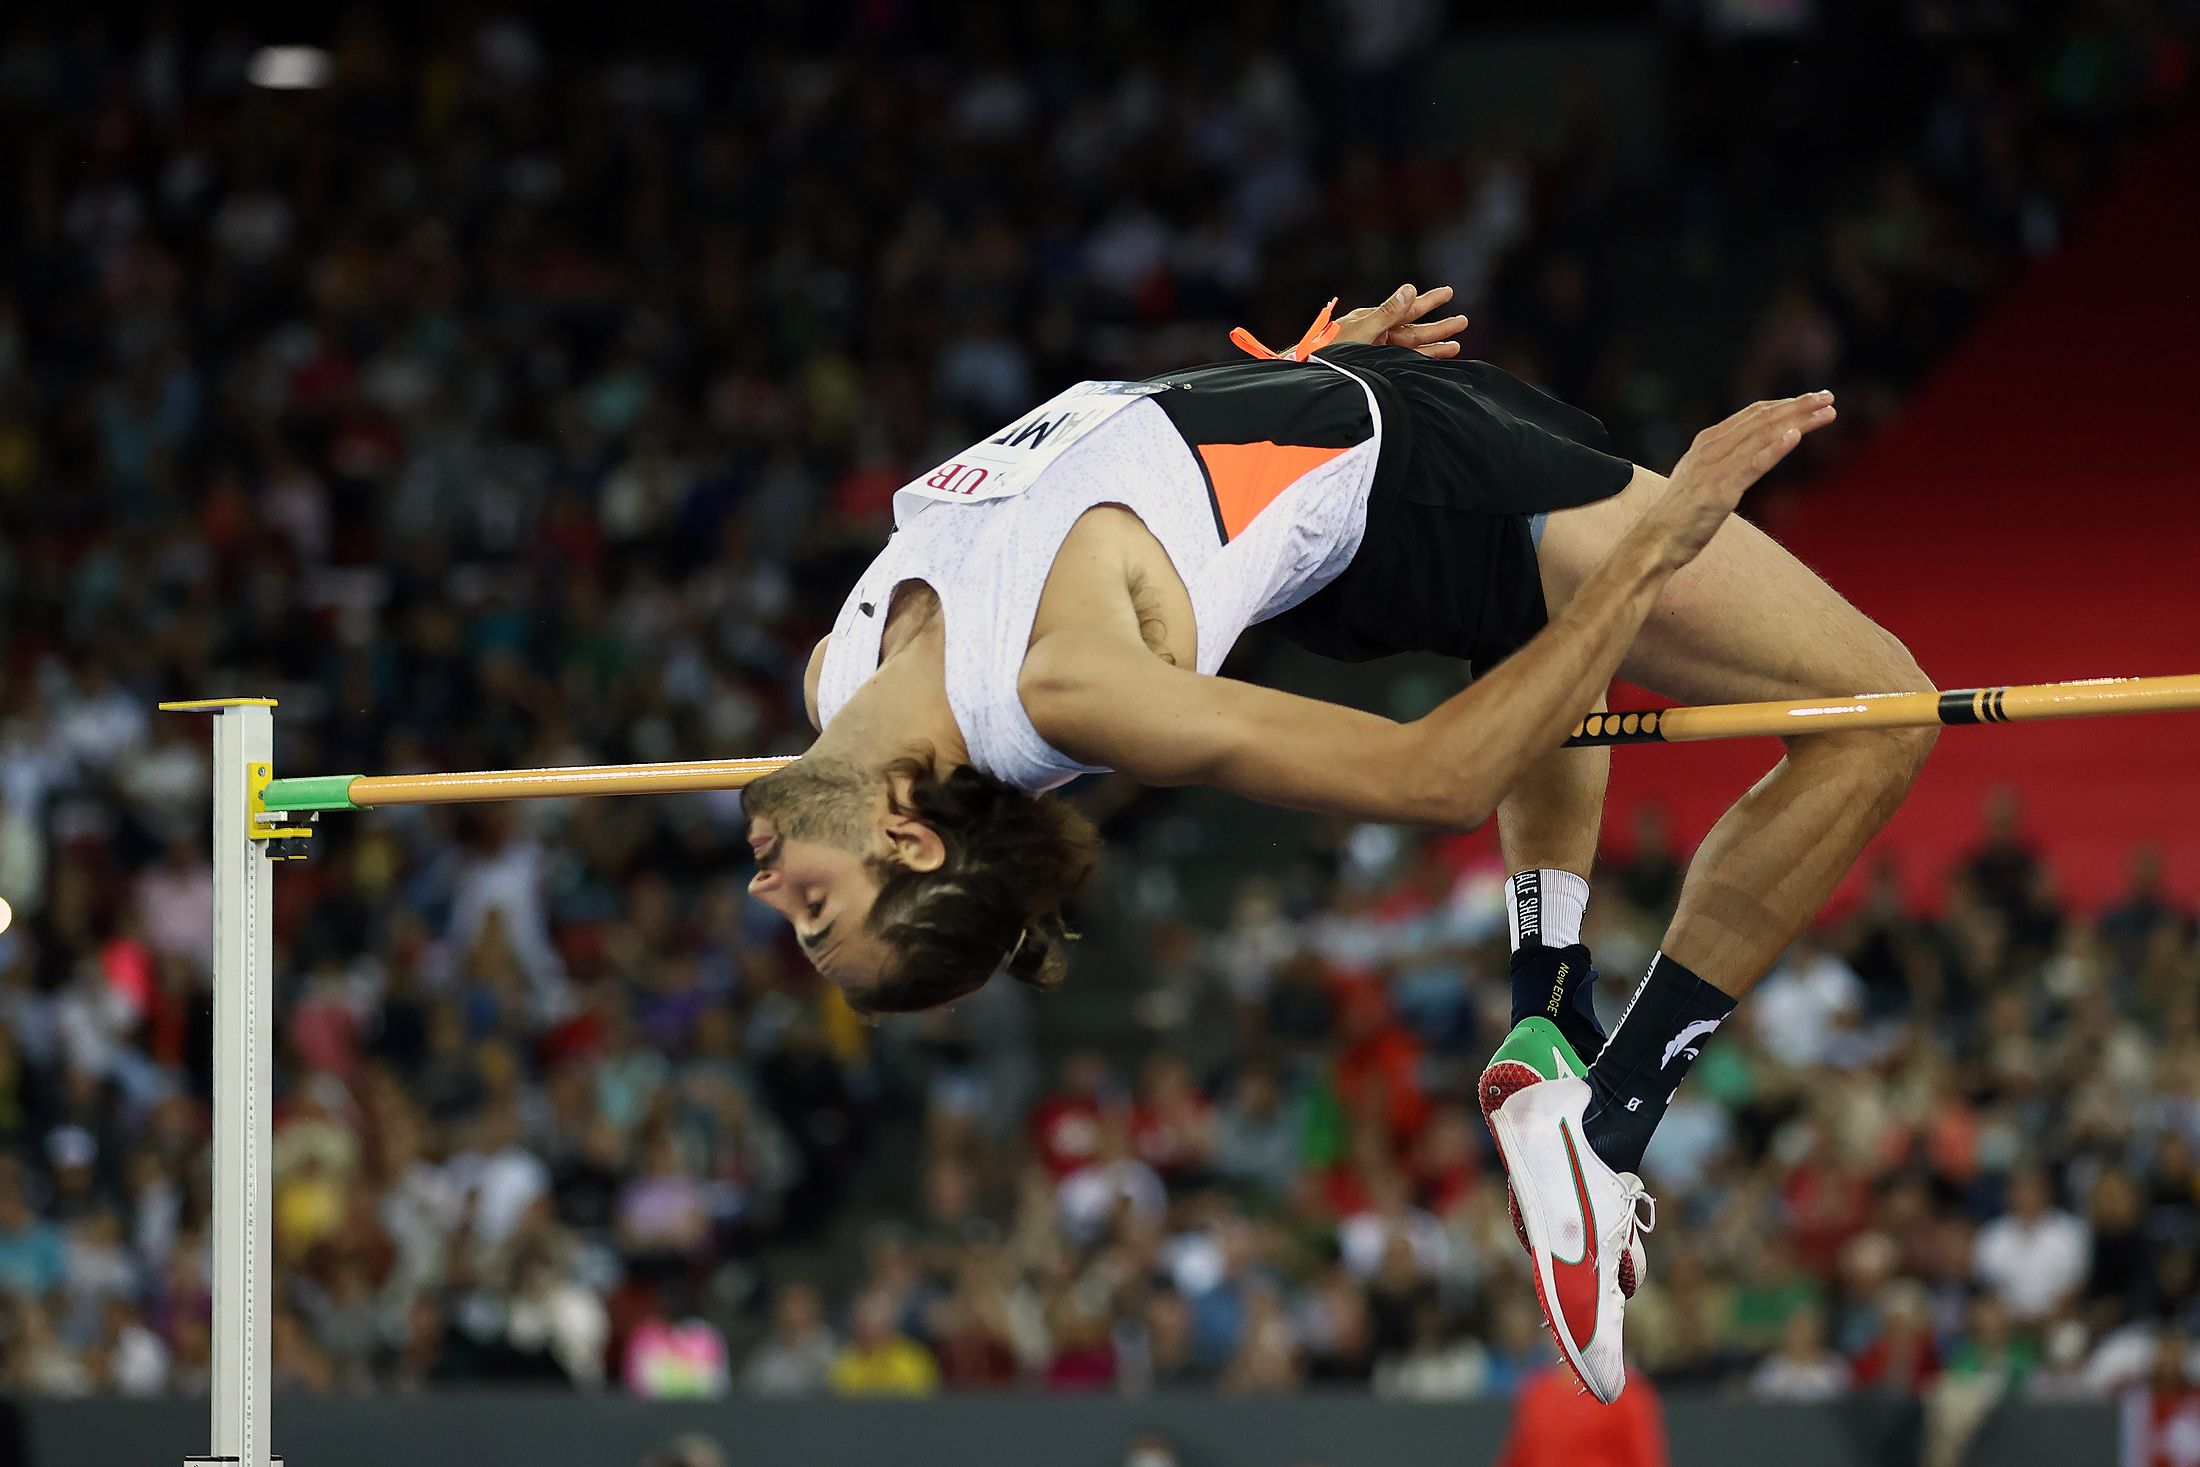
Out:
{"x": 2023, "y": 703}
{"x": 259, "y": 819}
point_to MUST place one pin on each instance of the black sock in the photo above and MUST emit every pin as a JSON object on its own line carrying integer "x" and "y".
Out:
{"x": 1558, "y": 983}
{"x": 1647, "y": 1057}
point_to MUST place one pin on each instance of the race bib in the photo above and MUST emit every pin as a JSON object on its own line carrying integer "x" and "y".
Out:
{"x": 1011, "y": 460}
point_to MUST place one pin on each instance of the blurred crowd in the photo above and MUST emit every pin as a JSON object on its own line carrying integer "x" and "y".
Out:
{"x": 1961, "y": 1146}
{"x": 514, "y": 400}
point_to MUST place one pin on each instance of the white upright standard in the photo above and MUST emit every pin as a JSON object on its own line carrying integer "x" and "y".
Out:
{"x": 244, "y": 994}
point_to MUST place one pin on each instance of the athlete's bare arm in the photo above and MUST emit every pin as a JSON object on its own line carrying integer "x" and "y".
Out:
{"x": 1103, "y": 700}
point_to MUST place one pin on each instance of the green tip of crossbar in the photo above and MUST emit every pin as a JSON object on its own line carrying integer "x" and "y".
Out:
{"x": 312, "y": 792}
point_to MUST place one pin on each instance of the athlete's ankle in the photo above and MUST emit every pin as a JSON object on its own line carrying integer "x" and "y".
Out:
{"x": 1578, "y": 1020}
{"x": 1673, "y": 1014}
{"x": 1608, "y": 1122}
{"x": 1609, "y": 1129}
{"x": 1558, "y": 984}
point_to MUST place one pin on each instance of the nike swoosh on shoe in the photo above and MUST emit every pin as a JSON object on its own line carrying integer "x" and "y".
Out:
{"x": 1576, "y": 1284}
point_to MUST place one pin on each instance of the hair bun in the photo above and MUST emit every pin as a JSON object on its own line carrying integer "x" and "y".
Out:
{"x": 1037, "y": 958}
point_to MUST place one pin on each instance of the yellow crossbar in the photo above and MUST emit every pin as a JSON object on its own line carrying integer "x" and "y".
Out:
{"x": 2019, "y": 703}
{"x": 2023, "y": 703}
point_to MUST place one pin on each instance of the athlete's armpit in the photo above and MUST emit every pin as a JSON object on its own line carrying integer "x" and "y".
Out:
{"x": 1103, "y": 703}
{"x": 812, "y": 676}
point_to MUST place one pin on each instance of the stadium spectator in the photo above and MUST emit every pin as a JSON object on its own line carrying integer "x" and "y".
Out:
{"x": 879, "y": 1360}
{"x": 797, "y": 1358}
{"x": 2162, "y": 1416}
{"x": 1258, "y": 1135}
{"x": 1555, "y": 1425}
{"x": 33, "y": 1253}
{"x": 1901, "y": 1357}
{"x": 1805, "y": 1367}
{"x": 1438, "y": 1363}
{"x": 2034, "y": 1256}
{"x": 1151, "y": 1449}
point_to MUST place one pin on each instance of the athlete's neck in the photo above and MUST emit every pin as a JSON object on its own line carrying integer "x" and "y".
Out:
{"x": 902, "y": 708}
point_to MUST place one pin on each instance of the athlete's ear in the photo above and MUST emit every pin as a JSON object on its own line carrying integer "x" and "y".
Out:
{"x": 914, "y": 844}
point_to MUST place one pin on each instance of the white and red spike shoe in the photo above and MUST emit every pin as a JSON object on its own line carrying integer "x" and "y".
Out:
{"x": 1534, "y": 1052}
{"x": 1581, "y": 1218}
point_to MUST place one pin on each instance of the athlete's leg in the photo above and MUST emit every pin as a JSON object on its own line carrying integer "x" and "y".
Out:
{"x": 1550, "y": 819}
{"x": 1547, "y": 827}
{"x": 1744, "y": 622}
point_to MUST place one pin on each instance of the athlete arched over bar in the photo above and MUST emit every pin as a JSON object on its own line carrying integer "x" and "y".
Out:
{"x": 1058, "y": 598}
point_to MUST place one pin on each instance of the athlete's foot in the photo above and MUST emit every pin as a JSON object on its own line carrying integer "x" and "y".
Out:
{"x": 1536, "y": 1051}
{"x": 1582, "y": 1219}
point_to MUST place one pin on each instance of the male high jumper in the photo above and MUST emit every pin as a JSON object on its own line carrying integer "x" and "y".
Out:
{"x": 1057, "y": 599}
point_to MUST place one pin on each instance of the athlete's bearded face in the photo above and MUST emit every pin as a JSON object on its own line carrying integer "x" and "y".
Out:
{"x": 818, "y": 830}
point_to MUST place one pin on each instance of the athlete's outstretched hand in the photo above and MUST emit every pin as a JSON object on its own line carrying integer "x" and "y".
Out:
{"x": 1724, "y": 461}
{"x": 1402, "y": 321}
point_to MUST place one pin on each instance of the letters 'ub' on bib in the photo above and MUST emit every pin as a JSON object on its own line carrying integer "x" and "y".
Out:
{"x": 1011, "y": 460}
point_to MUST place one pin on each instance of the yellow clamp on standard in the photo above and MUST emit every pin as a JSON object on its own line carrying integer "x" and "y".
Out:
{"x": 289, "y": 841}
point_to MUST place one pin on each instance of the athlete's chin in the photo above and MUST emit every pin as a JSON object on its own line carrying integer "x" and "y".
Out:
{"x": 855, "y": 979}
{"x": 862, "y": 990}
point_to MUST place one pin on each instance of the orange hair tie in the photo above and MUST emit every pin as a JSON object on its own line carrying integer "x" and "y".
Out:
{"x": 1317, "y": 336}
{"x": 1245, "y": 341}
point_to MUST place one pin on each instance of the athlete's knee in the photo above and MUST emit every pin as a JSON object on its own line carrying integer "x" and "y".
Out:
{"x": 1903, "y": 752}
{"x": 1907, "y": 748}
{"x": 1873, "y": 769}
{"x": 1878, "y": 766}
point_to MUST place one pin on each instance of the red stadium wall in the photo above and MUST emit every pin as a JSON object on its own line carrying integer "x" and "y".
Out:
{"x": 2035, "y": 515}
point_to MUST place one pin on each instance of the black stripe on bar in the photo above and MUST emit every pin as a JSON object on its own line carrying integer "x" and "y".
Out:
{"x": 1959, "y": 705}
{"x": 1993, "y": 704}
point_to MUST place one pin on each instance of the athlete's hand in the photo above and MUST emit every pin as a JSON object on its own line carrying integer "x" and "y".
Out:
{"x": 1724, "y": 461}
{"x": 1402, "y": 321}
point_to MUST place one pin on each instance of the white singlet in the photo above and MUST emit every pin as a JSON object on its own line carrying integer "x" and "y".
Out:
{"x": 1254, "y": 519}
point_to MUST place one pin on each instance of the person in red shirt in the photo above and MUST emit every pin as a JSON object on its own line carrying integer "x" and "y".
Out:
{"x": 1829, "y": 1200}
{"x": 1901, "y": 1357}
{"x": 971, "y": 1342}
{"x": 1084, "y": 1352}
{"x": 1445, "y": 1162}
{"x": 1556, "y": 1424}
{"x": 1378, "y": 1064}
{"x": 1065, "y": 1125}
{"x": 1173, "y": 1123}
{"x": 2162, "y": 1416}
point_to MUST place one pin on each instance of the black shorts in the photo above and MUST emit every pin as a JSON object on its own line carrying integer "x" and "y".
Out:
{"x": 1447, "y": 564}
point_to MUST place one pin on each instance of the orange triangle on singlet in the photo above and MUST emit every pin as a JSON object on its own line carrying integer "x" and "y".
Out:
{"x": 1247, "y": 477}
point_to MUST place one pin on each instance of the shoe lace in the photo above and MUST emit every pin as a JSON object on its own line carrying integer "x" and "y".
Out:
{"x": 1638, "y": 1213}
